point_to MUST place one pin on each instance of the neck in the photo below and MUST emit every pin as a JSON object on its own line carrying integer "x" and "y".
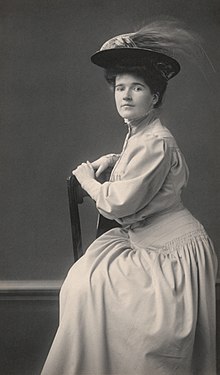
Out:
{"x": 150, "y": 116}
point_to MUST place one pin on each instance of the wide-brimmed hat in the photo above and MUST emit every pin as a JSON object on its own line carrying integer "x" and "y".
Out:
{"x": 124, "y": 50}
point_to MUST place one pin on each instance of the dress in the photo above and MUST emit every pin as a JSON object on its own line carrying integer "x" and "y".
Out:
{"x": 142, "y": 299}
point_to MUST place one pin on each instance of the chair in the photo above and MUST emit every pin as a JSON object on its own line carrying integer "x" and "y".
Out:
{"x": 76, "y": 196}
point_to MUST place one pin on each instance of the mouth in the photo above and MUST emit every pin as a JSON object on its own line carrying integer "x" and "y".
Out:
{"x": 127, "y": 105}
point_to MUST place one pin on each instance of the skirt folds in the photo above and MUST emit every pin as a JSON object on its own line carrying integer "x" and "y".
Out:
{"x": 140, "y": 301}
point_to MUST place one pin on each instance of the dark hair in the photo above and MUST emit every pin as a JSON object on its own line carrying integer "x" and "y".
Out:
{"x": 155, "y": 81}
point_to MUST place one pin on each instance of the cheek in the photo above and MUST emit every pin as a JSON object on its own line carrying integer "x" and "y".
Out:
{"x": 146, "y": 101}
{"x": 117, "y": 100}
{"x": 143, "y": 103}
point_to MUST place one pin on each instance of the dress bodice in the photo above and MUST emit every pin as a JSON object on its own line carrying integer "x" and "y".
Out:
{"x": 147, "y": 178}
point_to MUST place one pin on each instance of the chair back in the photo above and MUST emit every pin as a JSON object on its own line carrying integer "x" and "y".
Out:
{"x": 76, "y": 196}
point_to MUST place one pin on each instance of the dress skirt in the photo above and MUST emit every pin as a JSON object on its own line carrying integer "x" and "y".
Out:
{"x": 141, "y": 301}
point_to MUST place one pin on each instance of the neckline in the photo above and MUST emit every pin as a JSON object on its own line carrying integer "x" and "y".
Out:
{"x": 144, "y": 122}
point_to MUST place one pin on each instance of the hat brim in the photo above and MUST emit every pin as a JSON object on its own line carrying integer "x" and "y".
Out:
{"x": 114, "y": 57}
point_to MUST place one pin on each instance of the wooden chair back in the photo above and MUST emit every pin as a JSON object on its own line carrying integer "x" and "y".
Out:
{"x": 76, "y": 196}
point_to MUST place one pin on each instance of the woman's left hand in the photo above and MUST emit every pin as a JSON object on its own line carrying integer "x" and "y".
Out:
{"x": 84, "y": 172}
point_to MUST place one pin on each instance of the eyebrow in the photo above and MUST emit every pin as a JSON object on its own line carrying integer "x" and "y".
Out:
{"x": 133, "y": 83}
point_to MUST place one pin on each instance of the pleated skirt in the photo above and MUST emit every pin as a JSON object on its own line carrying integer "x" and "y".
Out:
{"x": 140, "y": 302}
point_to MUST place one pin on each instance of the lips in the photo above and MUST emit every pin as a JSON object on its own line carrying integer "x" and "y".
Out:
{"x": 127, "y": 105}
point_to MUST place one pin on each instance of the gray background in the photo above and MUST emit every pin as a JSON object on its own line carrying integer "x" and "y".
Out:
{"x": 57, "y": 111}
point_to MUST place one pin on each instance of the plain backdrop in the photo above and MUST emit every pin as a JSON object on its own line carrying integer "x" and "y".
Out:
{"x": 57, "y": 111}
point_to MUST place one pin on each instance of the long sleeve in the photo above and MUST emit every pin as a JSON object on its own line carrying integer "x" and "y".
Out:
{"x": 142, "y": 174}
{"x": 92, "y": 186}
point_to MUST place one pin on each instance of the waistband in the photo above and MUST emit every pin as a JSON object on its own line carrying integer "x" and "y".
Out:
{"x": 163, "y": 215}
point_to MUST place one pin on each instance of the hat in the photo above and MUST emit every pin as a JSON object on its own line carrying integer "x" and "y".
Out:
{"x": 126, "y": 50}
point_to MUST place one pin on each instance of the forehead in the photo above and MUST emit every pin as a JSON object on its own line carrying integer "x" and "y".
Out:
{"x": 129, "y": 78}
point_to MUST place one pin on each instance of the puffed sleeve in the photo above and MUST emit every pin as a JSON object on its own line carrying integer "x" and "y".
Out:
{"x": 148, "y": 164}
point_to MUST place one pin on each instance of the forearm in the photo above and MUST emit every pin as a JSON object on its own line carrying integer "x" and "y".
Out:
{"x": 86, "y": 175}
{"x": 92, "y": 187}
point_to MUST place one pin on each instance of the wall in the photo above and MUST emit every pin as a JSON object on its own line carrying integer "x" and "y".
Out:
{"x": 28, "y": 323}
{"x": 56, "y": 112}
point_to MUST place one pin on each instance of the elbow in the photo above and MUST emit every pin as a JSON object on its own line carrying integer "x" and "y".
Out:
{"x": 115, "y": 210}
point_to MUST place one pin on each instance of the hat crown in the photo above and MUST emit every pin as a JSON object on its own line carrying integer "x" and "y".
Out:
{"x": 120, "y": 41}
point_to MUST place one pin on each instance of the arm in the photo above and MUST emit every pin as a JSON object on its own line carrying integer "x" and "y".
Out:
{"x": 145, "y": 173}
{"x": 87, "y": 172}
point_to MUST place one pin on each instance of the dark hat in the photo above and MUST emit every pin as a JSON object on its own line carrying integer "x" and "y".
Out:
{"x": 123, "y": 51}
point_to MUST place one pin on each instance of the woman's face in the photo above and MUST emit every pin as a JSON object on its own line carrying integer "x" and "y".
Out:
{"x": 133, "y": 97}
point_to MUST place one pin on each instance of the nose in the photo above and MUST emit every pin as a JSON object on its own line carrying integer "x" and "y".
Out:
{"x": 127, "y": 95}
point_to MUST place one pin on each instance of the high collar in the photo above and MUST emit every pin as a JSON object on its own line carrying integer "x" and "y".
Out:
{"x": 136, "y": 125}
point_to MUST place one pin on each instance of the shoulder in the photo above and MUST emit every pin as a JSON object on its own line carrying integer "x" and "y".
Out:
{"x": 160, "y": 134}
{"x": 152, "y": 145}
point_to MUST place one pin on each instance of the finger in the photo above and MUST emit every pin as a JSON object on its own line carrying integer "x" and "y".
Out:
{"x": 99, "y": 170}
{"x": 94, "y": 164}
{"x": 89, "y": 164}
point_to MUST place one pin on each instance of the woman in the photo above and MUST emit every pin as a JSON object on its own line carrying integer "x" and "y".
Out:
{"x": 142, "y": 299}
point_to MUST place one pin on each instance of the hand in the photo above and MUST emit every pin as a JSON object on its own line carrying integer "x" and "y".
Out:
{"x": 101, "y": 164}
{"x": 84, "y": 172}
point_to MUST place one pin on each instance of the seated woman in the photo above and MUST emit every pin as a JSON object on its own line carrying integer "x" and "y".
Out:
{"x": 141, "y": 300}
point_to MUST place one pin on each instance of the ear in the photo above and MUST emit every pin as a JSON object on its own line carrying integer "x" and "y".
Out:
{"x": 155, "y": 98}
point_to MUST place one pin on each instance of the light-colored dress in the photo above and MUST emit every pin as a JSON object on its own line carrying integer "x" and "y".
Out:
{"x": 141, "y": 301}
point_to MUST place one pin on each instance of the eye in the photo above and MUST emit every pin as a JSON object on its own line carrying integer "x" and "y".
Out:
{"x": 119, "y": 88}
{"x": 138, "y": 88}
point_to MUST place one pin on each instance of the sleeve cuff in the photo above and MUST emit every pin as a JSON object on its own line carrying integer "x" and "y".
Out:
{"x": 92, "y": 187}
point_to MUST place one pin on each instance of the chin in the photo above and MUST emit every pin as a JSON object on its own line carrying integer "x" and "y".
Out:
{"x": 127, "y": 113}
{"x": 129, "y": 116}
